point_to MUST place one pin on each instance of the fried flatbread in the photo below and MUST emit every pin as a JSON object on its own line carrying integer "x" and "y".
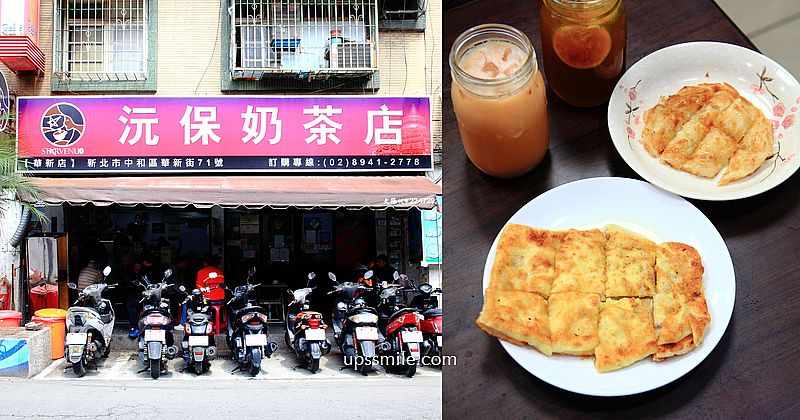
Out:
{"x": 525, "y": 260}
{"x": 626, "y": 333}
{"x": 520, "y": 318}
{"x": 618, "y": 237}
{"x": 680, "y": 321}
{"x": 581, "y": 262}
{"x": 755, "y": 148}
{"x": 630, "y": 264}
{"x": 737, "y": 118}
{"x": 573, "y": 322}
{"x": 662, "y": 122}
{"x": 679, "y": 268}
{"x": 711, "y": 155}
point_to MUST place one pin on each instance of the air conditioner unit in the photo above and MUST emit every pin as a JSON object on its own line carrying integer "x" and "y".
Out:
{"x": 352, "y": 55}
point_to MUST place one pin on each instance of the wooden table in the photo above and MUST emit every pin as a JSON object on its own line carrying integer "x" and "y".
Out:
{"x": 754, "y": 370}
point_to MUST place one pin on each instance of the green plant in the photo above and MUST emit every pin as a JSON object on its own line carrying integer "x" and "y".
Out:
{"x": 10, "y": 179}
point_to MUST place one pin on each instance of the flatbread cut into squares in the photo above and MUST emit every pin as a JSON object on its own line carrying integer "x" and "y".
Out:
{"x": 680, "y": 320}
{"x": 525, "y": 260}
{"x": 679, "y": 269}
{"x": 581, "y": 262}
{"x": 663, "y": 121}
{"x": 754, "y": 149}
{"x": 631, "y": 273}
{"x": 626, "y": 333}
{"x": 692, "y": 133}
{"x": 573, "y": 322}
{"x": 711, "y": 155}
{"x": 519, "y": 318}
{"x": 618, "y": 237}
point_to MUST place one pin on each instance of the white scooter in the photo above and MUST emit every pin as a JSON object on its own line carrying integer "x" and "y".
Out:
{"x": 90, "y": 322}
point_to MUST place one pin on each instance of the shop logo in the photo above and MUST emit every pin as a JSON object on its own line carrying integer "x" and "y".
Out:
{"x": 63, "y": 124}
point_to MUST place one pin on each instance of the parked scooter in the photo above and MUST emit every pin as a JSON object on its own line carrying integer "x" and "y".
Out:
{"x": 305, "y": 330}
{"x": 401, "y": 327}
{"x": 248, "y": 330}
{"x": 198, "y": 343}
{"x": 156, "y": 340}
{"x": 90, "y": 322}
{"x": 215, "y": 294}
{"x": 431, "y": 324}
{"x": 356, "y": 325}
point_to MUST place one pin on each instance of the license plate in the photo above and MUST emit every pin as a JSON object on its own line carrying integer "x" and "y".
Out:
{"x": 366, "y": 333}
{"x": 252, "y": 340}
{"x": 155, "y": 335}
{"x": 76, "y": 338}
{"x": 198, "y": 340}
{"x": 439, "y": 340}
{"x": 76, "y": 349}
{"x": 315, "y": 334}
{"x": 411, "y": 336}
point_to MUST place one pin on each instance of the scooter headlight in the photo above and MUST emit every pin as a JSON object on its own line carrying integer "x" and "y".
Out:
{"x": 364, "y": 318}
{"x": 341, "y": 306}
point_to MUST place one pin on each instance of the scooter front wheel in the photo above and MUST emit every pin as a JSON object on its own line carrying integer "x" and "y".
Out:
{"x": 79, "y": 368}
{"x": 155, "y": 368}
{"x": 411, "y": 370}
{"x": 313, "y": 365}
{"x": 255, "y": 361}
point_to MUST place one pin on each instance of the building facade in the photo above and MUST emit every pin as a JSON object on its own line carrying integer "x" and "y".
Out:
{"x": 225, "y": 48}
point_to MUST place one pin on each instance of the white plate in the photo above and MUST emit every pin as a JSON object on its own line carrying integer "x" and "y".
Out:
{"x": 198, "y": 340}
{"x": 76, "y": 338}
{"x": 411, "y": 336}
{"x": 155, "y": 335}
{"x": 662, "y": 217}
{"x": 665, "y": 71}
{"x": 366, "y": 333}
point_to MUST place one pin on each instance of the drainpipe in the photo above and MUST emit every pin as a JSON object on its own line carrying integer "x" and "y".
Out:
{"x": 22, "y": 228}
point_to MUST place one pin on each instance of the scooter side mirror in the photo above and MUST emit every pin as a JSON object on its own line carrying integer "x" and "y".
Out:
{"x": 167, "y": 273}
{"x": 107, "y": 271}
{"x": 384, "y": 284}
{"x": 212, "y": 275}
{"x": 368, "y": 275}
{"x": 182, "y": 289}
{"x": 252, "y": 271}
{"x": 332, "y": 276}
{"x": 311, "y": 275}
{"x": 396, "y": 276}
{"x": 72, "y": 286}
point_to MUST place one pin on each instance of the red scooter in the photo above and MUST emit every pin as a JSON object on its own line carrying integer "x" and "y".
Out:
{"x": 431, "y": 325}
{"x": 214, "y": 291}
{"x": 401, "y": 327}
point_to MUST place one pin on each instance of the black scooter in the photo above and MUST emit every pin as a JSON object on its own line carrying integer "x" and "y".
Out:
{"x": 156, "y": 340}
{"x": 355, "y": 326}
{"x": 198, "y": 340}
{"x": 248, "y": 330}
{"x": 305, "y": 329}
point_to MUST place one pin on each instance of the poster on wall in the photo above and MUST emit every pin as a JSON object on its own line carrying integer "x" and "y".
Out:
{"x": 156, "y": 134}
{"x": 432, "y": 234}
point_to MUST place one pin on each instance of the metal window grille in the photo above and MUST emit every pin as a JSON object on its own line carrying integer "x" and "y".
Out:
{"x": 402, "y": 9}
{"x": 303, "y": 38}
{"x": 102, "y": 39}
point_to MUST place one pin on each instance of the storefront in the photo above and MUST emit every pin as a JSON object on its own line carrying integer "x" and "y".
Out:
{"x": 284, "y": 184}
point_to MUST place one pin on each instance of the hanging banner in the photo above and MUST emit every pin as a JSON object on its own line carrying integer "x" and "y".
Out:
{"x": 432, "y": 234}
{"x": 113, "y": 134}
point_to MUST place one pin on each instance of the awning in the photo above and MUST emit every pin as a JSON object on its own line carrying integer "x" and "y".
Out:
{"x": 374, "y": 192}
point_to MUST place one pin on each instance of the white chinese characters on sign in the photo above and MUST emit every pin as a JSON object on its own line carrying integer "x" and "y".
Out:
{"x": 203, "y": 121}
{"x": 140, "y": 123}
{"x": 386, "y": 134}
{"x": 322, "y": 127}
{"x": 255, "y": 124}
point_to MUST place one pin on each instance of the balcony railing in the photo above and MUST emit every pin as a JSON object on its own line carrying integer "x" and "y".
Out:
{"x": 307, "y": 39}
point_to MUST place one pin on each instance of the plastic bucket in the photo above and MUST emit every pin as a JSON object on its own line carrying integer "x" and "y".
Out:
{"x": 10, "y": 318}
{"x": 56, "y": 319}
{"x": 45, "y": 296}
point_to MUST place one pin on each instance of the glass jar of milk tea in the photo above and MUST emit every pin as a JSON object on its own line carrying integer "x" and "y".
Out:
{"x": 499, "y": 100}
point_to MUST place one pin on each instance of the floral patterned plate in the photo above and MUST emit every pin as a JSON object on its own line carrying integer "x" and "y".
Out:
{"x": 760, "y": 80}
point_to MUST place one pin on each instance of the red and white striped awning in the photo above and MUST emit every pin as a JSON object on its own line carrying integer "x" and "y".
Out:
{"x": 20, "y": 53}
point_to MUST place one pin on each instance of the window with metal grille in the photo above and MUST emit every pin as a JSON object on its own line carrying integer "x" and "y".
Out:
{"x": 402, "y": 9}
{"x": 102, "y": 39}
{"x": 306, "y": 38}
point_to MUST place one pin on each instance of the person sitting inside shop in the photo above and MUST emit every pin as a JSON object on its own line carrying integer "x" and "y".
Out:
{"x": 384, "y": 272}
{"x": 90, "y": 274}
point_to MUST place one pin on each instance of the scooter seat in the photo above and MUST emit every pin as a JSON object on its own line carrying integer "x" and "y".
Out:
{"x": 432, "y": 313}
{"x": 402, "y": 311}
